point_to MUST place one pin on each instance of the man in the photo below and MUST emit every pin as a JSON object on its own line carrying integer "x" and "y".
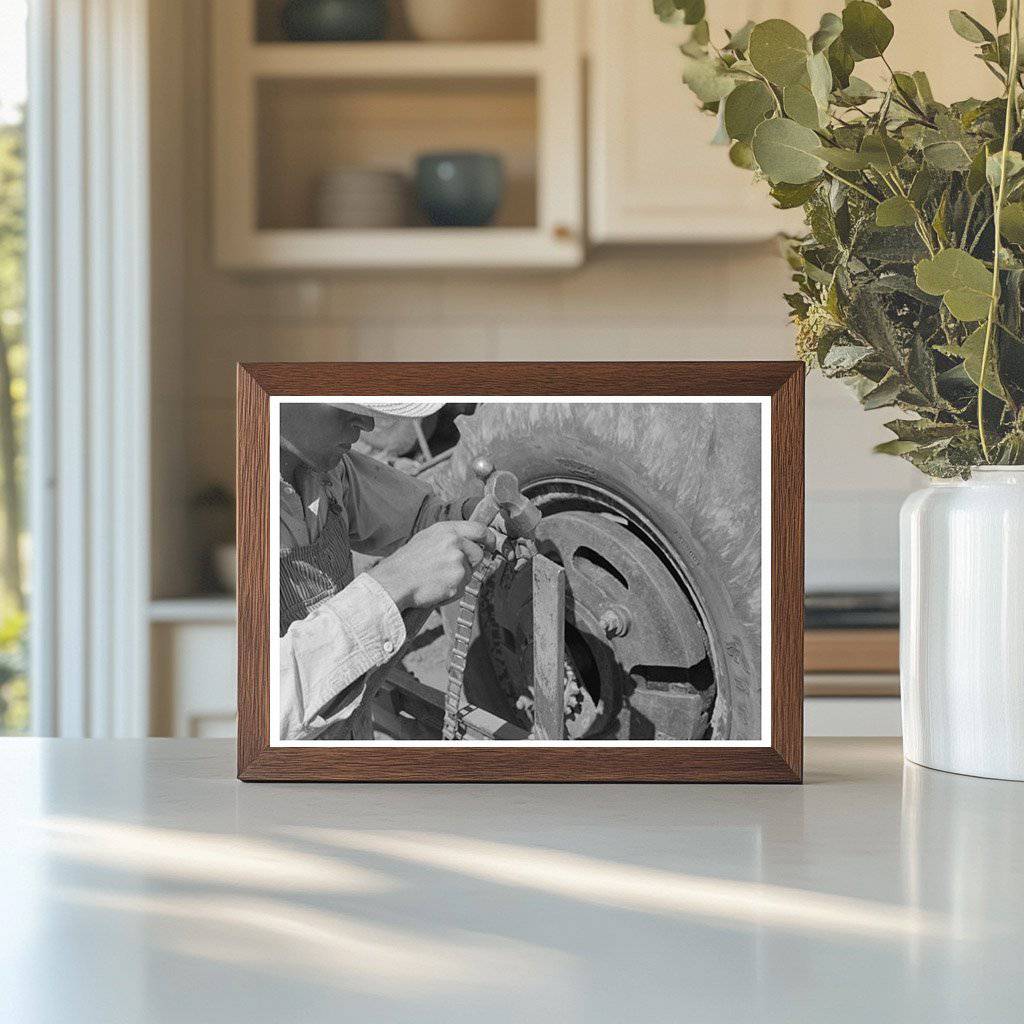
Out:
{"x": 337, "y": 627}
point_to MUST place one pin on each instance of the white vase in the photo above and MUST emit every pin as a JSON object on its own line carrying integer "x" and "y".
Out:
{"x": 962, "y": 624}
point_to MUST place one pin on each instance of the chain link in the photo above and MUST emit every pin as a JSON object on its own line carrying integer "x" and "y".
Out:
{"x": 454, "y": 728}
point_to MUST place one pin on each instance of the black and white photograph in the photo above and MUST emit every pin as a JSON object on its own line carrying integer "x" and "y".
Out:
{"x": 507, "y": 570}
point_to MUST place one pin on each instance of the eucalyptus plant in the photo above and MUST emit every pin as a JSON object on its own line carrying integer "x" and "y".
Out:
{"x": 902, "y": 289}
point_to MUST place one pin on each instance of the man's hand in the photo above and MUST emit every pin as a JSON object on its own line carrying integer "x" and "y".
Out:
{"x": 435, "y": 565}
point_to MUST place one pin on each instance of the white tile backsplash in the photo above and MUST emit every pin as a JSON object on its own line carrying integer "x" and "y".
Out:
{"x": 716, "y": 303}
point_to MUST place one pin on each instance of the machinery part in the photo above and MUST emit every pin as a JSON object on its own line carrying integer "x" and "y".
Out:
{"x": 460, "y": 647}
{"x": 501, "y": 497}
{"x": 676, "y": 479}
{"x": 615, "y": 622}
{"x": 629, "y": 580}
{"x": 548, "y": 587}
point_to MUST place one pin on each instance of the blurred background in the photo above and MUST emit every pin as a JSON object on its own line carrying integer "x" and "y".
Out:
{"x": 361, "y": 179}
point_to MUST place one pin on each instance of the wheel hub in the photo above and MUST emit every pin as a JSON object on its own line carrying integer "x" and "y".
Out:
{"x": 636, "y": 653}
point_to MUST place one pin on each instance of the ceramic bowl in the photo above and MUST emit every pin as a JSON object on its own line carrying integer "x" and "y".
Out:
{"x": 470, "y": 20}
{"x": 333, "y": 21}
{"x": 459, "y": 189}
{"x": 359, "y": 197}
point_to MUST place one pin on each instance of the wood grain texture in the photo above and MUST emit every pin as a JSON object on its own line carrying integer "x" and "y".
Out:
{"x": 780, "y": 762}
{"x": 548, "y": 649}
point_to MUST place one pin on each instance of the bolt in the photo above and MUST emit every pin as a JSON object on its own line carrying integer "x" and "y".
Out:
{"x": 483, "y": 467}
{"x": 615, "y": 622}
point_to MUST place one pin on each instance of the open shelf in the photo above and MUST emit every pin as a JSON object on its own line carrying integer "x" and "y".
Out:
{"x": 391, "y": 60}
{"x": 308, "y": 127}
{"x": 286, "y": 114}
{"x": 520, "y": 23}
{"x": 409, "y": 248}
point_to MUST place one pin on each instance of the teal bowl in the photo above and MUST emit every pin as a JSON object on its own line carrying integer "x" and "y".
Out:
{"x": 462, "y": 190}
{"x": 334, "y": 21}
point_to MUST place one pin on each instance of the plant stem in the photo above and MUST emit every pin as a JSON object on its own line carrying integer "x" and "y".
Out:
{"x": 1011, "y": 108}
{"x": 775, "y": 98}
{"x": 907, "y": 99}
{"x": 853, "y": 185}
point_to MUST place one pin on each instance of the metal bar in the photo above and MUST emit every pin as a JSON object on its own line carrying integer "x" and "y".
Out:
{"x": 548, "y": 650}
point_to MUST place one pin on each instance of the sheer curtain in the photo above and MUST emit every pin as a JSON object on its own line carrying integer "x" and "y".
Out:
{"x": 88, "y": 283}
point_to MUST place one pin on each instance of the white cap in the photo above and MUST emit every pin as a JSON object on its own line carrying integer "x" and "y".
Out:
{"x": 408, "y": 410}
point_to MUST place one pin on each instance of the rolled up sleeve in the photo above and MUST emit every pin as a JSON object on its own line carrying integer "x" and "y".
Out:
{"x": 326, "y": 655}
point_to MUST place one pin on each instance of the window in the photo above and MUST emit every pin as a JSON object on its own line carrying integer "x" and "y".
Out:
{"x": 14, "y": 691}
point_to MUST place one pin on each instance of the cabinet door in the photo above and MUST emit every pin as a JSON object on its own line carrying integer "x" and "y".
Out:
{"x": 654, "y": 176}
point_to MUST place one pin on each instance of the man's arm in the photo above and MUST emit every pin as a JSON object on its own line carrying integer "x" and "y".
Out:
{"x": 386, "y": 507}
{"x": 325, "y": 656}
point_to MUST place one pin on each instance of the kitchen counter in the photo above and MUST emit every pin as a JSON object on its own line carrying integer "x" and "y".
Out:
{"x": 140, "y": 882}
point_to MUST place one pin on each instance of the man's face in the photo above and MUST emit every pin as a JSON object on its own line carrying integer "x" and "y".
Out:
{"x": 321, "y": 434}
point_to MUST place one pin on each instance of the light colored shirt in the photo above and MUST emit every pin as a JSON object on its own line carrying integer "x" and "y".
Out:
{"x": 327, "y": 654}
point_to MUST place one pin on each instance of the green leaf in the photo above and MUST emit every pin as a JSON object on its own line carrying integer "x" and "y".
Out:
{"x": 947, "y": 156}
{"x": 693, "y": 10}
{"x": 788, "y": 197}
{"x": 895, "y": 212}
{"x": 971, "y": 352}
{"x": 939, "y": 220}
{"x": 866, "y": 29}
{"x": 895, "y": 447}
{"x": 976, "y": 174}
{"x": 922, "y": 185}
{"x": 885, "y": 394}
{"x": 1012, "y": 224}
{"x": 905, "y": 84}
{"x": 999, "y": 9}
{"x": 666, "y": 10}
{"x": 923, "y": 431}
{"x": 889, "y": 245}
{"x": 779, "y": 51}
{"x": 689, "y": 12}
{"x": 787, "y": 151}
{"x": 924, "y": 88}
{"x": 745, "y": 108}
{"x": 969, "y": 28}
{"x": 701, "y": 34}
{"x": 963, "y": 281}
{"x": 841, "y": 63}
{"x": 844, "y": 159}
{"x": 741, "y": 155}
{"x": 993, "y": 167}
{"x": 858, "y": 91}
{"x": 819, "y": 74}
{"x": 707, "y": 78}
{"x": 739, "y": 41}
{"x": 801, "y": 106}
{"x": 883, "y": 152}
{"x": 829, "y": 30}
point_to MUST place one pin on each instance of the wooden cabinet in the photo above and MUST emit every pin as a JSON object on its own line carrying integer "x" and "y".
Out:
{"x": 653, "y": 177}
{"x": 286, "y": 114}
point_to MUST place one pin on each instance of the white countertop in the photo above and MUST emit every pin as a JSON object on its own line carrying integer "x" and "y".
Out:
{"x": 140, "y": 882}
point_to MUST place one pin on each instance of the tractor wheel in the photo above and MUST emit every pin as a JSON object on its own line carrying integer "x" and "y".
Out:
{"x": 654, "y": 510}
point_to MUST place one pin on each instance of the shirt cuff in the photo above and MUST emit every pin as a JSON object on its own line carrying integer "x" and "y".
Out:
{"x": 372, "y": 618}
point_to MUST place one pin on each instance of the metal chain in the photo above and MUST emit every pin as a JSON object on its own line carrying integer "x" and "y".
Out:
{"x": 453, "y": 726}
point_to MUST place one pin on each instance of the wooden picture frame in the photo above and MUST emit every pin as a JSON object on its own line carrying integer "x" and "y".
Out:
{"x": 779, "y": 758}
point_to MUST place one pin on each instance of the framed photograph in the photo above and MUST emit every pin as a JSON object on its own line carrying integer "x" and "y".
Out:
{"x": 520, "y": 571}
